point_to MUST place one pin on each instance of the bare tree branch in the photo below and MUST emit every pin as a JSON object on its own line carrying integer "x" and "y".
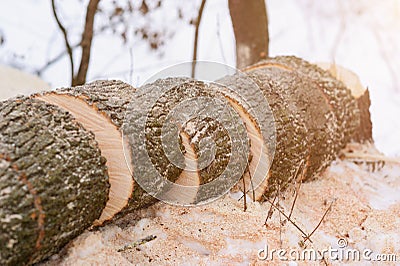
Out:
{"x": 86, "y": 43}
{"x": 53, "y": 61}
{"x": 196, "y": 36}
{"x": 65, "y": 34}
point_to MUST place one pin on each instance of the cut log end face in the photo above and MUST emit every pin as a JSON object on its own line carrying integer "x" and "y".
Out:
{"x": 186, "y": 143}
{"x": 213, "y": 146}
{"x": 100, "y": 107}
{"x": 53, "y": 178}
{"x": 200, "y": 141}
{"x": 111, "y": 144}
{"x": 255, "y": 177}
{"x": 363, "y": 133}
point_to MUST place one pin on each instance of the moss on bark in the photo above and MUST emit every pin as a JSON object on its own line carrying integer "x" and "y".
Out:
{"x": 53, "y": 181}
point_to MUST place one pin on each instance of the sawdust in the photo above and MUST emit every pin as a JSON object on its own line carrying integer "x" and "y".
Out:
{"x": 365, "y": 214}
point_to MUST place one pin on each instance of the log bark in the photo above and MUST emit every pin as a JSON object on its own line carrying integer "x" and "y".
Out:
{"x": 329, "y": 114}
{"x": 177, "y": 91}
{"x": 63, "y": 167}
{"x": 53, "y": 180}
{"x": 101, "y": 107}
{"x": 363, "y": 133}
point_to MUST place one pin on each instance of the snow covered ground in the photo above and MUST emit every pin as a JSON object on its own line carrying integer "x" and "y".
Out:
{"x": 362, "y": 220}
{"x": 359, "y": 35}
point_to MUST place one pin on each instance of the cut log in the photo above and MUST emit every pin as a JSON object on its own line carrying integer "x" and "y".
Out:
{"x": 339, "y": 96}
{"x": 53, "y": 180}
{"x": 78, "y": 157}
{"x": 100, "y": 107}
{"x": 364, "y": 132}
{"x": 184, "y": 105}
{"x": 257, "y": 179}
{"x": 260, "y": 154}
{"x": 315, "y": 114}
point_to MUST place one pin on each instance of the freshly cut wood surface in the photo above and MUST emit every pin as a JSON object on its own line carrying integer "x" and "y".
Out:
{"x": 178, "y": 94}
{"x": 100, "y": 107}
{"x": 110, "y": 143}
{"x": 188, "y": 177}
{"x": 259, "y": 157}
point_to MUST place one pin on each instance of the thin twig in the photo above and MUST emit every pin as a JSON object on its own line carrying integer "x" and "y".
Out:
{"x": 323, "y": 259}
{"x": 54, "y": 60}
{"x": 280, "y": 216}
{"x": 370, "y": 157}
{"x": 320, "y": 222}
{"x": 251, "y": 178}
{"x": 270, "y": 211}
{"x": 244, "y": 194}
{"x": 65, "y": 34}
{"x": 293, "y": 223}
{"x": 298, "y": 187}
{"x": 196, "y": 36}
{"x": 137, "y": 243}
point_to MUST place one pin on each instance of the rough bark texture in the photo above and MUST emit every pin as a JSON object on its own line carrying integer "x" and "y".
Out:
{"x": 364, "y": 131}
{"x": 177, "y": 91}
{"x": 111, "y": 99}
{"x": 301, "y": 100}
{"x": 53, "y": 180}
{"x": 250, "y": 25}
{"x": 338, "y": 95}
{"x": 291, "y": 133}
{"x": 316, "y": 102}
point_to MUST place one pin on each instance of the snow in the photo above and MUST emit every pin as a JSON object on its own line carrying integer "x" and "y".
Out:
{"x": 221, "y": 233}
{"x": 15, "y": 82}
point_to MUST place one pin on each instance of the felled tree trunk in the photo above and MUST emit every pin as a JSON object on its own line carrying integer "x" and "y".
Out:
{"x": 53, "y": 180}
{"x": 67, "y": 156}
